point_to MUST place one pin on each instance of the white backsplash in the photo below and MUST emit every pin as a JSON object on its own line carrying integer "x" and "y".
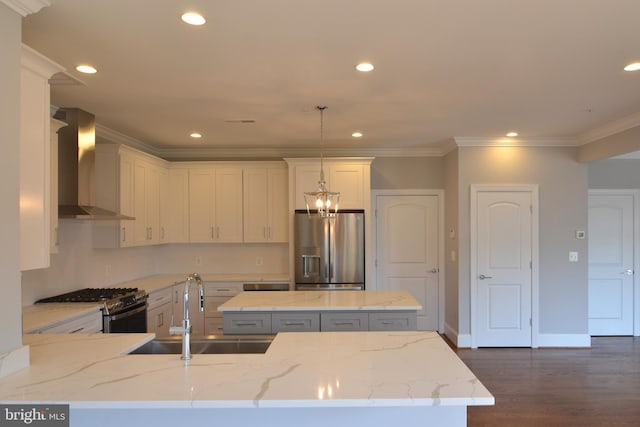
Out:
{"x": 79, "y": 265}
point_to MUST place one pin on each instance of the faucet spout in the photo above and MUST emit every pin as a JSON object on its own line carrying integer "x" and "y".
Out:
{"x": 185, "y": 328}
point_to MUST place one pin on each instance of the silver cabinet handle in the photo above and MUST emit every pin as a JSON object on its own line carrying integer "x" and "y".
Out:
{"x": 482, "y": 277}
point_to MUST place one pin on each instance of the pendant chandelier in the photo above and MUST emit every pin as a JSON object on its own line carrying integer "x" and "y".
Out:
{"x": 322, "y": 201}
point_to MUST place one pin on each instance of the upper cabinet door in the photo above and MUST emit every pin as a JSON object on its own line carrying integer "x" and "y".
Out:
{"x": 201, "y": 205}
{"x": 35, "y": 159}
{"x": 349, "y": 180}
{"x": 265, "y": 204}
{"x": 228, "y": 204}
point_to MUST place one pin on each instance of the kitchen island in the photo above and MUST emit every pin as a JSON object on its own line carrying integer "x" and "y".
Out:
{"x": 312, "y": 379}
{"x": 313, "y": 311}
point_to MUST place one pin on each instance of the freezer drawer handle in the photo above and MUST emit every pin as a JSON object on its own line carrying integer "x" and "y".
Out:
{"x": 308, "y": 267}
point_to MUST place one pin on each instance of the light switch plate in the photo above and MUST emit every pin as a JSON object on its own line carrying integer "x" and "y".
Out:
{"x": 573, "y": 256}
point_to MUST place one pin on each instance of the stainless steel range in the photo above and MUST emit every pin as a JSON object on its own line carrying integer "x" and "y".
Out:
{"x": 123, "y": 309}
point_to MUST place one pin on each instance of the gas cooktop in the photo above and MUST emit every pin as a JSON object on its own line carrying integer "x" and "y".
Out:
{"x": 113, "y": 299}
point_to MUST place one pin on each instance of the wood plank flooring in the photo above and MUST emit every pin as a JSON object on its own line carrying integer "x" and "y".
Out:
{"x": 559, "y": 387}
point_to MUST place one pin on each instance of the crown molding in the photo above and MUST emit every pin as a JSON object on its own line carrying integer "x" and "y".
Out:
{"x": 611, "y": 128}
{"x": 110, "y": 135}
{"x": 26, "y": 7}
{"x": 472, "y": 141}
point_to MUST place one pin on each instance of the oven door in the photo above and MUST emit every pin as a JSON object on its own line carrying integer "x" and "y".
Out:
{"x": 130, "y": 320}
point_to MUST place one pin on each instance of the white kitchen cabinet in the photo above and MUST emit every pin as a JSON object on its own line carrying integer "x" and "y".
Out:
{"x": 160, "y": 311}
{"x": 215, "y": 204}
{"x": 351, "y": 177}
{"x": 216, "y": 294}
{"x": 174, "y": 203}
{"x": 54, "y": 242}
{"x": 114, "y": 191}
{"x": 146, "y": 202}
{"x": 35, "y": 159}
{"x": 89, "y": 323}
{"x": 266, "y": 201}
{"x": 195, "y": 315}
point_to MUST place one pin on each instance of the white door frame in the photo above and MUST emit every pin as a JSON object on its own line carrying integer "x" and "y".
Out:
{"x": 374, "y": 241}
{"x": 636, "y": 247}
{"x": 473, "y": 268}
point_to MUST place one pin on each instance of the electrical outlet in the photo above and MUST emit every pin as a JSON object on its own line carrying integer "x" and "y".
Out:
{"x": 107, "y": 270}
{"x": 573, "y": 256}
{"x": 198, "y": 260}
{"x": 259, "y": 260}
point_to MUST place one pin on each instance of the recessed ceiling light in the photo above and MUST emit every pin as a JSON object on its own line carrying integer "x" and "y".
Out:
{"x": 87, "y": 69}
{"x": 357, "y": 134}
{"x": 365, "y": 67}
{"x": 512, "y": 134}
{"x": 195, "y": 135}
{"x": 635, "y": 66}
{"x": 193, "y": 18}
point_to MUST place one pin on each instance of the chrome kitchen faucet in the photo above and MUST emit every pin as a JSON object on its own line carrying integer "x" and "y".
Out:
{"x": 185, "y": 329}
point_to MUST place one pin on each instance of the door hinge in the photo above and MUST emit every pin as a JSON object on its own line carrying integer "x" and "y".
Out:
{"x": 530, "y": 322}
{"x": 531, "y": 208}
{"x": 530, "y": 265}
{"x": 375, "y": 263}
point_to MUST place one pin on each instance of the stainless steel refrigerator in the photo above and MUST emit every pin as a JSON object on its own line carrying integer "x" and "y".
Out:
{"x": 329, "y": 252}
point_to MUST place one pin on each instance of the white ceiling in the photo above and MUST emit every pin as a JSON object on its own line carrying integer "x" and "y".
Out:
{"x": 550, "y": 69}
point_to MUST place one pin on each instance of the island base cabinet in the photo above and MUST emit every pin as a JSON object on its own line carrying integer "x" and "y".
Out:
{"x": 393, "y": 321}
{"x": 344, "y": 321}
{"x": 247, "y": 323}
{"x": 295, "y": 322}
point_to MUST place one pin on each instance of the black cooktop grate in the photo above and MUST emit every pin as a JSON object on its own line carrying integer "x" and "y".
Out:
{"x": 90, "y": 295}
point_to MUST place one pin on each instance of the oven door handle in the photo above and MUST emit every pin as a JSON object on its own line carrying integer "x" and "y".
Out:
{"x": 127, "y": 313}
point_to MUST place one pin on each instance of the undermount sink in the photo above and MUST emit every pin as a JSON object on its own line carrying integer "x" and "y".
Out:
{"x": 208, "y": 345}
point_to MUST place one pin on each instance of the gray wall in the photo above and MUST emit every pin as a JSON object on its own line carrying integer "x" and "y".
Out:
{"x": 563, "y": 210}
{"x": 390, "y": 173}
{"x": 10, "y": 304}
{"x": 614, "y": 173}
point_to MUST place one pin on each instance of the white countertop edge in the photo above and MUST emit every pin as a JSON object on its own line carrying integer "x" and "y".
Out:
{"x": 322, "y": 308}
{"x": 250, "y": 404}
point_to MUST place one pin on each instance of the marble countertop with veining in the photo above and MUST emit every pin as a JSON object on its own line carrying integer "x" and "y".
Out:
{"x": 323, "y": 369}
{"x": 321, "y": 301}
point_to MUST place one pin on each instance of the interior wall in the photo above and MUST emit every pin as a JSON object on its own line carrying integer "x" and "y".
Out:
{"x": 10, "y": 51}
{"x": 451, "y": 243}
{"x": 79, "y": 265}
{"x": 390, "y": 173}
{"x": 614, "y": 174}
{"x": 563, "y": 205}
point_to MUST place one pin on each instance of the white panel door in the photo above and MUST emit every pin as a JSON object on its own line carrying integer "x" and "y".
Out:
{"x": 503, "y": 260}
{"x": 407, "y": 232}
{"x": 611, "y": 264}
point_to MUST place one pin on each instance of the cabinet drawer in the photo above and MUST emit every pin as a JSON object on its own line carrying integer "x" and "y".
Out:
{"x": 344, "y": 321}
{"x": 393, "y": 321}
{"x": 213, "y": 326}
{"x": 212, "y": 289}
{"x": 247, "y": 323}
{"x": 88, "y": 324}
{"x": 159, "y": 297}
{"x": 295, "y": 322}
{"x": 211, "y": 305}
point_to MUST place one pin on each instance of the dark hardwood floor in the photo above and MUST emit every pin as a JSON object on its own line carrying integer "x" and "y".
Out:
{"x": 599, "y": 386}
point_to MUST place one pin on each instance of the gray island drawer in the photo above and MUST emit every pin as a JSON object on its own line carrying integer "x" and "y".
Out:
{"x": 247, "y": 323}
{"x": 392, "y": 321}
{"x": 295, "y": 322}
{"x": 344, "y": 321}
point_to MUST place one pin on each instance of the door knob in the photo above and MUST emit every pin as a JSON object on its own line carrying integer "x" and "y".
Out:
{"x": 627, "y": 272}
{"x": 433, "y": 270}
{"x": 482, "y": 277}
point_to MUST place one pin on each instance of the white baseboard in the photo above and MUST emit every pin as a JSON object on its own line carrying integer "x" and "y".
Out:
{"x": 461, "y": 341}
{"x": 14, "y": 360}
{"x": 564, "y": 340}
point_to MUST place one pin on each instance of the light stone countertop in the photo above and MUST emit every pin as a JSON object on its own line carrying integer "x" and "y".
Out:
{"x": 38, "y": 316}
{"x": 365, "y": 369}
{"x": 321, "y": 301}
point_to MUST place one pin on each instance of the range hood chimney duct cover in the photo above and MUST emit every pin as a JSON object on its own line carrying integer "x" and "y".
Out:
{"x": 76, "y": 167}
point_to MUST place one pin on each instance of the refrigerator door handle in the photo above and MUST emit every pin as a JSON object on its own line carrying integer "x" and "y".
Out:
{"x": 307, "y": 265}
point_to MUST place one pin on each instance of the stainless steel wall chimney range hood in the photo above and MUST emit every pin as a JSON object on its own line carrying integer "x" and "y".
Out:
{"x": 76, "y": 167}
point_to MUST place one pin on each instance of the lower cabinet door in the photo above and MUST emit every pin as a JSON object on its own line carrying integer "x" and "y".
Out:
{"x": 344, "y": 321}
{"x": 213, "y": 326}
{"x": 295, "y": 322}
{"x": 247, "y": 323}
{"x": 159, "y": 320}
